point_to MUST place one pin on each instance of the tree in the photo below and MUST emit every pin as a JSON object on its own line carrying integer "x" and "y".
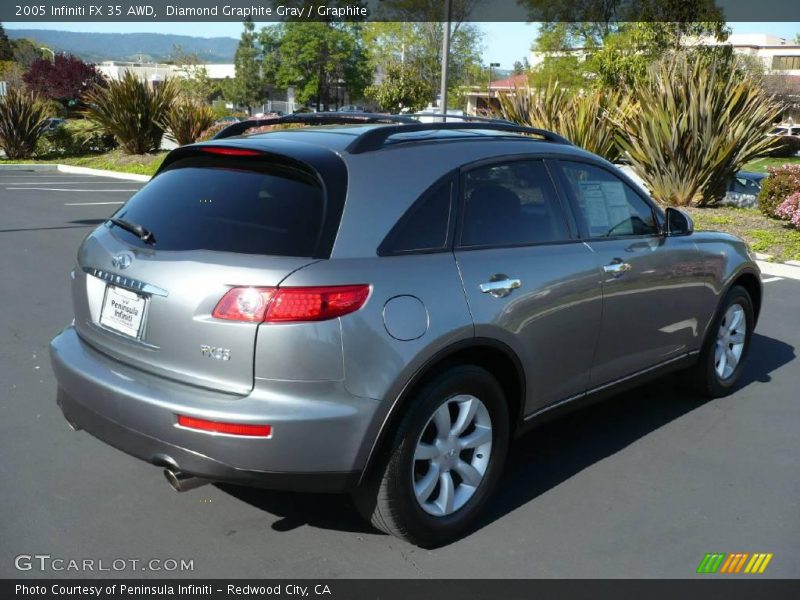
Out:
{"x": 320, "y": 59}
{"x": 521, "y": 67}
{"x": 400, "y": 89}
{"x": 626, "y": 54}
{"x": 559, "y": 63}
{"x": 419, "y": 45}
{"x": 6, "y": 49}
{"x": 26, "y": 52}
{"x": 621, "y": 39}
{"x": 247, "y": 88}
{"x": 64, "y": 79}
{"x": 194, "y": 83}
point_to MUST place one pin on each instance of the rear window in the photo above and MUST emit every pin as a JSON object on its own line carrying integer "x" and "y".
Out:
{"x": 212, "y": 204}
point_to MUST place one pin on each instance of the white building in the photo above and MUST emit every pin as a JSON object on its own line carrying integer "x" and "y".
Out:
{"x": 159, "y": 71}
{"x": 778, "y": 54}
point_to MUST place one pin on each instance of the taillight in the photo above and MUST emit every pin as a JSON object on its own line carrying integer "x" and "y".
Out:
{"x": 281, "y": 305}
{"x": 223, "y": 427}
{"x": 244, "y": 304}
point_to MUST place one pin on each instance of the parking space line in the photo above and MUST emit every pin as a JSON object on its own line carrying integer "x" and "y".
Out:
{"x": 84, "y": 182}
{"x": 771, "y": 279}
{"x": 50, "y": 189}
{"x": 89, "y": 203}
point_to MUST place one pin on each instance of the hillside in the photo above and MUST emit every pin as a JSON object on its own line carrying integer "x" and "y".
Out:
{"x": 97, "y": 47}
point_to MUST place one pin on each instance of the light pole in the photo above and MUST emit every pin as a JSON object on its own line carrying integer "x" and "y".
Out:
{"x": 445, "y": 58}
{"x": 492, "y": 65}
{"x": 43, "y": 49}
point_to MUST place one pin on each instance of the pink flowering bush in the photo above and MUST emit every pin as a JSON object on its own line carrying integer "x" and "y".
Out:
{"x": 789, "y": 210}
{"x": 782, "y": 182}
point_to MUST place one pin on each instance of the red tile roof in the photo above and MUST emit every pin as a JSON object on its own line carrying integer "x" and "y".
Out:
{"x": 512, "y": 82}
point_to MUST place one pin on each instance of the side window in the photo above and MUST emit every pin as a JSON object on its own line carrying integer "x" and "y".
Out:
{"x": 511, "y": 203}
{"x": 608, "y": 206}
{"x": 424, "y": 226}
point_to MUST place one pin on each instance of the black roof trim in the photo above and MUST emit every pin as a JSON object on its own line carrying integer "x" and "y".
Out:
{"x": 374, "y": 139}
{"x": 321, "y": 118}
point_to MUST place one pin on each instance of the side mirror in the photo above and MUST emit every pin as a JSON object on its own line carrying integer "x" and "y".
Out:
{"x": 678, "y": 223}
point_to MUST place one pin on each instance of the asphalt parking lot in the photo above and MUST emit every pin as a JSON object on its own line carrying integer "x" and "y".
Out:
{"x": 642, "y": 485}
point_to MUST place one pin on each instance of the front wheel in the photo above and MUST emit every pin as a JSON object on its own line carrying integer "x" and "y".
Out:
{"x": 722, "y": 357}
{"x": 445, "y": 461}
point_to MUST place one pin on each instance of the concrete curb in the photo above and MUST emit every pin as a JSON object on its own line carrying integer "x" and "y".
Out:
{"x": 774, "y": 269}
{"x": 57, "y": 167}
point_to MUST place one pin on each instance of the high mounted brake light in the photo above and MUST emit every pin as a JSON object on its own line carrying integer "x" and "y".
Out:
{"x": 229, "y": 151}
{"x": 291, "y": 304}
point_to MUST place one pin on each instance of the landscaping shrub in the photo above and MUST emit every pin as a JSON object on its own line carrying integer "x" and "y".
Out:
{"x": 781, "y": 183}
{"x": 211, "y": 131}
{"x": 581, "y": 117}
{"x": 74, "y": 138}
{"x": 22, "y": 115}
{"x": 185, "y": 121}
{"x": 789, "y": 210}
{"x": 695, "y": 125}
{"x": 132, "y": 110}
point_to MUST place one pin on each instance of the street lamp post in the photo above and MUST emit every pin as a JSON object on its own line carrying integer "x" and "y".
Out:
{"x": 492, "y": 65}
{"x": 445, "y": 59}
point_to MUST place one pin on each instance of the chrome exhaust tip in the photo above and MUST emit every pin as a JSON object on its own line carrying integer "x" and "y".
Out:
{"x": 182, "y": 482}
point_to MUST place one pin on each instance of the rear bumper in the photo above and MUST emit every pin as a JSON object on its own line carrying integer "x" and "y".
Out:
{"x": 318, "y": 427}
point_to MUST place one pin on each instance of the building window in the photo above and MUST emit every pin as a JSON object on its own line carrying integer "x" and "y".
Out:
{"x": 786, "y": 63}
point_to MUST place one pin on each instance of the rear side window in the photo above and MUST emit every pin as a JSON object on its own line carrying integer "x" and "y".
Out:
{"x": 198, "y": 204}
{"x": 511, "y": 204}
{"x": 425, "y": 226}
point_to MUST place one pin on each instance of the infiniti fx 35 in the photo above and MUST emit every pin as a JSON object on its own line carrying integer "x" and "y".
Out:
{"x": 379, "y": 308}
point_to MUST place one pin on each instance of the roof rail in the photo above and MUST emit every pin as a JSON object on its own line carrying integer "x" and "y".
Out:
{"x": 320, "y": 118}
{"x": 374, "y": 139}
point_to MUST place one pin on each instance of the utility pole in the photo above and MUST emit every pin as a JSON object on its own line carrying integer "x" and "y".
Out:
{"x": 445, "y": 59}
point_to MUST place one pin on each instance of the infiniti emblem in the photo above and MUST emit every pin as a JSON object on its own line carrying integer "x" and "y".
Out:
{"x": 122, "y": 261}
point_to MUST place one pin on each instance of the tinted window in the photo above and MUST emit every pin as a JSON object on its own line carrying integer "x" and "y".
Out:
{"x": 511, "y": 203}
{"x": 608, "y": 206}
{"x": 425, "y": 224}
{"x": 192, "y": 206}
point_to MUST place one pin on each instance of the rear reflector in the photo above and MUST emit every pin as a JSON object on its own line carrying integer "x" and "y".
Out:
{"x": 291, "y": 304}
{"x": 229, "y": 428}
{"x": 229, "y": 151}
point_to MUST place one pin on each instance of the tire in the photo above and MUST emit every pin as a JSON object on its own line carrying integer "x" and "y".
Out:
{"x": 389, "y": 499}
{"x": 705, "y": 377}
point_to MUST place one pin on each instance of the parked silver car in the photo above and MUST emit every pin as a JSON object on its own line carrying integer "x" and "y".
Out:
{"x": 378, "y": 308}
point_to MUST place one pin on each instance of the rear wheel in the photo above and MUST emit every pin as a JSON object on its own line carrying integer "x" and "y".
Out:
{"x": 722, "y": 357}
{"x": 445, "y": 461}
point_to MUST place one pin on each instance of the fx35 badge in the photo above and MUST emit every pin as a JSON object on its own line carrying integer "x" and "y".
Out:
{"x": 218, "y": 353}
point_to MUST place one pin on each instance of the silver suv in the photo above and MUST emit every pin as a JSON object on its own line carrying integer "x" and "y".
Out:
{"x": 377, "y": 308}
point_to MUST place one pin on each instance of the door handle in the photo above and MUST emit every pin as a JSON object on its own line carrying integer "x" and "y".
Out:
{"x": 617, "y": 267}
{"x": 500, "y": 287}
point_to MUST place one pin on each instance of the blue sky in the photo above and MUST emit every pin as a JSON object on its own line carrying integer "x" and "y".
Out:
{"x": 503, "y": 42}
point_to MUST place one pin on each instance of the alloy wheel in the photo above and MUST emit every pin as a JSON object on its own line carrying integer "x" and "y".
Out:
{"x": 452, "y": 455}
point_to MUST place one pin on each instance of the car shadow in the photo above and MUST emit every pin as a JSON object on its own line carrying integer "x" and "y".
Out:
{"x": 543, "y": 458}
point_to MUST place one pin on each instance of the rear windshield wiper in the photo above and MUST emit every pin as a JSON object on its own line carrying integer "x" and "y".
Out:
{"x": 143, "y": 234}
